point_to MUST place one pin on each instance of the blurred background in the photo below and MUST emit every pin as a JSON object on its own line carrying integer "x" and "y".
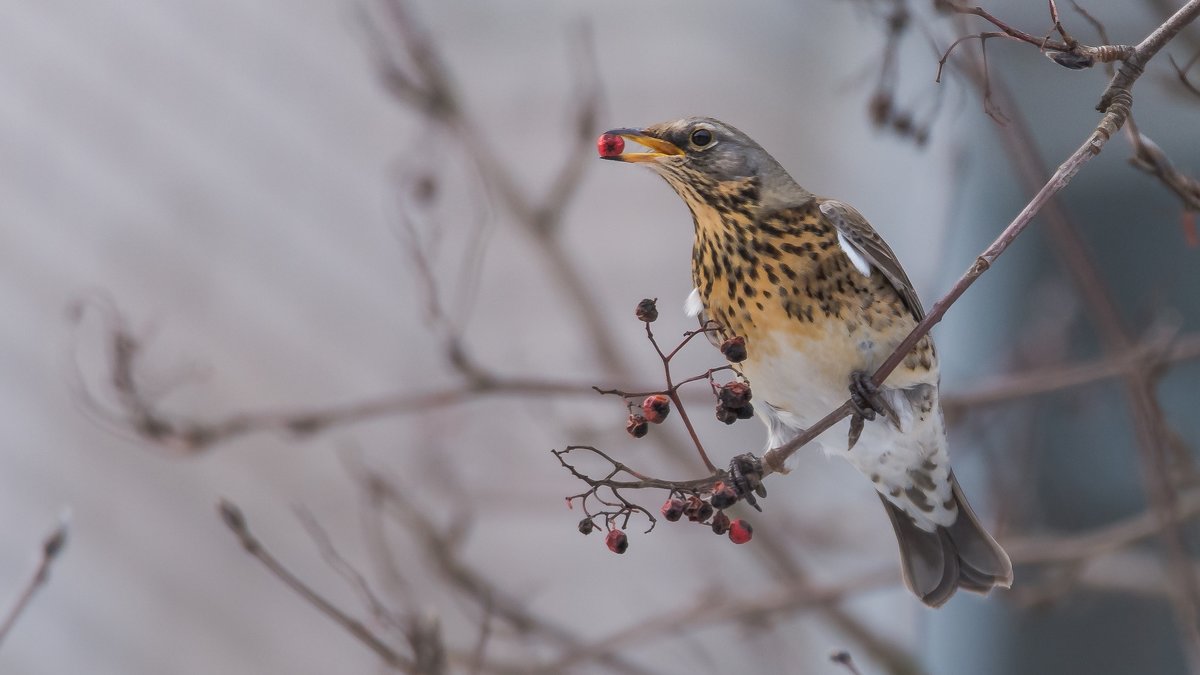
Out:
{"x": 371, "y": 267}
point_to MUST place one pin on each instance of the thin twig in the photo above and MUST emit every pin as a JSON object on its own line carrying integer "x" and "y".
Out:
{"x": 51, "y": 547}
{"x": 1013, "y": 386}
{"x": 232, "y": 516}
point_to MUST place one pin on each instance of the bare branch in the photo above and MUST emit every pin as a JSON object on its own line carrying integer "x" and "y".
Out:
{"x": 232, "y": 516}
{"x": 52, "y": 547}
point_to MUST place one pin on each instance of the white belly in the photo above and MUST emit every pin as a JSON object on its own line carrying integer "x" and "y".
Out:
{"x": 796, "y": 386}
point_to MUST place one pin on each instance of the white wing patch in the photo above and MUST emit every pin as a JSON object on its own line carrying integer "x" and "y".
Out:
{"x": 856, "y": 257}
{"x": 694, "y": 304}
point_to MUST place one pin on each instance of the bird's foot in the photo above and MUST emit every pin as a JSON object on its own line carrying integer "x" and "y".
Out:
{"x": 864, "y": 395}
{"x": 745, "y": 475}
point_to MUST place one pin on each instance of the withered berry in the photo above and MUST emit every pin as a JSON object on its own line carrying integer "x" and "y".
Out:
{"x": 692, "y": 507}
{"x": 745, "y": 412}
{"x": 672, "y": 509}
{"x": 617, "y": 542}
{"x": 647, "y": 310}
{"x": 702, "y": 513}
{"x": 740, "y": 531}
{"x": 656, "y": 408}
{"x": 610, "y": 145}
{"x": 734, "y": 349}
{"x": 720, "y": 523}
{"x": 723, "y": 496}
{"x": 734, "y": 394}
{"x": 637, "y": 426}
{"x": 586, "y": 526}
{"x": 726, "y": 415}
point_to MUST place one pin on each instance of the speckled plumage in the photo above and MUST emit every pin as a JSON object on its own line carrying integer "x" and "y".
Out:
{"x": 770, "y": 263}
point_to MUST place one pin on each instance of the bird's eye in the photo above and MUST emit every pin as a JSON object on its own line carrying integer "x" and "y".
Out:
{"x": 701, "y": 137}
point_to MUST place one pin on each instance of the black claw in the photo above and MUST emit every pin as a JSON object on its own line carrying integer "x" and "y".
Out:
{"x": 864, "y": 395}
{"x": 745, "y": 476}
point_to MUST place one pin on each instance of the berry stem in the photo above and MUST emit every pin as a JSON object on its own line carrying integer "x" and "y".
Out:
{"x": 673, "y": 392}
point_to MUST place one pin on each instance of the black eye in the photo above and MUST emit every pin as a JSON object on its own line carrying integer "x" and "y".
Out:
{"x": 701, "y": 137}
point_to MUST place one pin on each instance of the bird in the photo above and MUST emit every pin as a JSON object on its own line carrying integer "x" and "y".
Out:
{"x": 821, "y": 301}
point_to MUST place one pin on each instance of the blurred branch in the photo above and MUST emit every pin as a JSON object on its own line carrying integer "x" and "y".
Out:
{"x": 1152, "y": 432}
{"x": 1150, "y": 356}
{"x": 52, "y": 547}
{"x": 443, "y": 551}
{"x": 232, "y": 516}
{"x": 422, "y": 82}
{"x": 713, "y": 608}
{"x": 1181, "y": 72}
{"x": 137, "y": 410}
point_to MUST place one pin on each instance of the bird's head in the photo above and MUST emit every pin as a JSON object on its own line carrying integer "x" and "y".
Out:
{"x": 709, "y": 163}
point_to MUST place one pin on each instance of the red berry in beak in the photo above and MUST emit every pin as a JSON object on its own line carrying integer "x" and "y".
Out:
{"x": 740, "y": 531}
{"x": 610, "y": 145}
{"x": 617, "y": 542}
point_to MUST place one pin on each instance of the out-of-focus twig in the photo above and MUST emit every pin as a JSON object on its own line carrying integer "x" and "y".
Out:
{"x": 443, "y": 552}
{"x": 51, "y": 547}
{"x": 1152, "y": 432}
{"x": 1060, "y": 549}
{"x": 233, "y": 518}
{"x": 1003, "y": 388}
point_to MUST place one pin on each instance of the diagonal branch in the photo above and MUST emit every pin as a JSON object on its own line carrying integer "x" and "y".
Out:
{"x": 52, "y": 546}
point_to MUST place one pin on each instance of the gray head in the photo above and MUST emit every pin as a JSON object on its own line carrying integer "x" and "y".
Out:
{"x": 705, "y": 159}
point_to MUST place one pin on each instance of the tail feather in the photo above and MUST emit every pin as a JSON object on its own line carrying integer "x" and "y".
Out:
{"x": 963, "y": 555}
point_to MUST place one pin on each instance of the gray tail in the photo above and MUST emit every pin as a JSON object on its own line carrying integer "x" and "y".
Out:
{"x": 964, "y": 555}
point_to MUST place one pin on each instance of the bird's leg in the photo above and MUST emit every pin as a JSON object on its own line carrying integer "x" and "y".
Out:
{"x": 864, "y": 395}
{"x": 745, "y": 475}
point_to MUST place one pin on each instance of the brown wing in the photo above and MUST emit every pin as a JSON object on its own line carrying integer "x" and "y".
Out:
{"x": 867, "y": 243}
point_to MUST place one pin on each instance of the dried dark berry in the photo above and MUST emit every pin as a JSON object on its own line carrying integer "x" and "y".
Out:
{"x": 692, "y": 507}
{"x": 617, "y": 542}
{"x": 656, "y": 408}
{"x": 745, "y": 412}
{"x": 672, "y": 509}
{"x": 637, "y": 426}
{"x": 720, "y": 523}
{"x": 740, "y": 531}
{"x": 586, "y": 526}
{"x": 734, "y": 349}
{"x": 647, "y": 311}
{"x": 726, "y": 415}
{"x": 734, "y": 394}
{"x": 702, "y": 513}
{"x": 723, "y": 496}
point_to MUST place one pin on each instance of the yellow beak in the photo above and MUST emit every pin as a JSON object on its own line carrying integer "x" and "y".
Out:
{"x": 658, "y": 147}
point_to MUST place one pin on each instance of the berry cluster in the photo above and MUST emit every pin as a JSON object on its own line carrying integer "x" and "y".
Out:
{"x": 710, "y": 512}
{"x": 699, "y": 501}
{"x": 733, "y": 402}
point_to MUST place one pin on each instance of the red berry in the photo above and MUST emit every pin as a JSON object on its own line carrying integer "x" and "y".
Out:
{"x": 636, "y": 426}
{"x": 610, "y": 145}
{"x": 740, "y": 531}
{"x": 734, "y": 349}
{"x": 656, "y": 408}
{"x": 617, "y": 542}
{"x": 672, "y": 509}
{"x": 720, "y": 523}
{"x": 734, "y": 394}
